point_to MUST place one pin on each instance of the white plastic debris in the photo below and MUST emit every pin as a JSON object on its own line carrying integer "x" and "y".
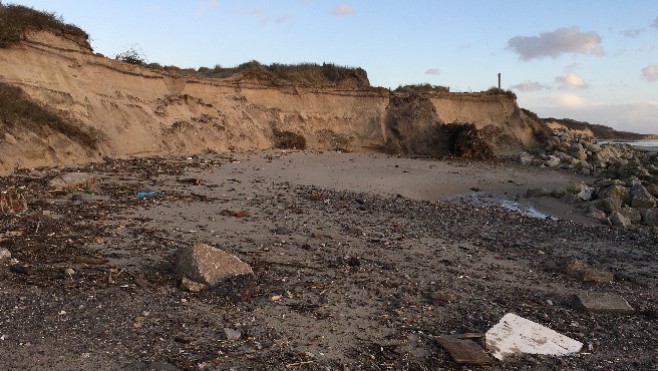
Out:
{"x": 514, "y": 335}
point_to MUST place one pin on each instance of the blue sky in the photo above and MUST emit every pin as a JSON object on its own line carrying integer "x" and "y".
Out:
{"x": 589, "y": 60}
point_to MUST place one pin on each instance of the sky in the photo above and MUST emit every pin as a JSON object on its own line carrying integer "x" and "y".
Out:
{"x": 594, "y": 61}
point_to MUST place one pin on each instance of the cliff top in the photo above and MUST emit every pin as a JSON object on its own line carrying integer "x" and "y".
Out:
{"x": 16, "y": 21}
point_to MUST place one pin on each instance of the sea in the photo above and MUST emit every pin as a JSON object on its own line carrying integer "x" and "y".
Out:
{"x": 650, "y": 145}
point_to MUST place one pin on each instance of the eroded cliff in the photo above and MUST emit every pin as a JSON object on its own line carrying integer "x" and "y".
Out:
{"x": 133, "y": 110}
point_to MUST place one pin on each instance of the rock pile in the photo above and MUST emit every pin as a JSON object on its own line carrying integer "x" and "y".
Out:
{"x": 625, "y": 188}
{"x": 567, "y": 149}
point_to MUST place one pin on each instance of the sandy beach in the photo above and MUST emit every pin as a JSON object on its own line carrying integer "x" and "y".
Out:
{"x": 360, "y": 262}
{"x": 367, "y": 261}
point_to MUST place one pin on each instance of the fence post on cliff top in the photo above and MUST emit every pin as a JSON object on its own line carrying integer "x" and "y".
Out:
{"x": 498, "y": 80}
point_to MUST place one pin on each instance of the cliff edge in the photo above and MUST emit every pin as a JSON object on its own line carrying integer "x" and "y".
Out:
{"x": 111, "y": 108}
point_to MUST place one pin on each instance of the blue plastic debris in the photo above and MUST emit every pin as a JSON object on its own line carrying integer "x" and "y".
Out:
{"x": 148, "y": 194}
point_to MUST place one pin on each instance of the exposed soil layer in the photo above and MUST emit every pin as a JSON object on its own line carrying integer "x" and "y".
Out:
{"x": 366, "y": 280}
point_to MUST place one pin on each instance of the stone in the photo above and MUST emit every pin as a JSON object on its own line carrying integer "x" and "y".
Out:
{"x": 578, "y": 152}
{"x": 192, "y": 286}
{"x": 640, "y": 196}
{"x": 619, "y": 220}
{"x": 209, "y": 265}
{"x": 609, "y": 205}
{"x": 618, "y": 192}
{"x": 464, "y": 351}
{"x": 595, "y": 213}
{"x": 592, "y": 147}
{"x": 631, "y": 213}
{"x": 582, "y": 191}
{"x": 604, "y": 303}
{"x": 514, "y": 335}
{"x": 232, "y": 334}
{"x": 5, "y": 255}
{"x": 525, "y": 158}
{"x": 653, "y": 189}
{"x": 553, "y": 161}
{"x": 650, "y": 217}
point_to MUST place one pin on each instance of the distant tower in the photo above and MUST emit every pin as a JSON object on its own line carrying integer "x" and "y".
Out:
{"x": 498, "y": 80}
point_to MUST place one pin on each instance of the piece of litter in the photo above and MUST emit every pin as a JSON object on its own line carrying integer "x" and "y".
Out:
{"x": 604, "y": 303}
{"x": 514, "y": 334}
{"x": 464, "y": 351}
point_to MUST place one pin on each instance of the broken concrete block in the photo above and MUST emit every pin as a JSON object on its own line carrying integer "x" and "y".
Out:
{"x": 209, "y": 265}
{"x": 464, "y": 351}
{"x": 514, "y": 335}
{"x": 604, "y": 303}
{"x": 192, "y": 286}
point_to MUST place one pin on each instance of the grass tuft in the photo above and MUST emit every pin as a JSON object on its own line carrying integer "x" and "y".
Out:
{"x": 17, "y": 109}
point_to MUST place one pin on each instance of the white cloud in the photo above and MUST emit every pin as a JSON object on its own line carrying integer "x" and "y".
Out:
{"x": 655, "y": 23}
{"x": 650, "y": 73}
{"x": 529, "y": 86}
{"x": 571, "y": 80}
{"x": 344, "y": 10}
{"x": 206, "y": 6}
{"x": 553, "y": 44}
{"x": 433, "y": 71}
{"x": 568, "y": 101}
{"x": 632, "y": 33}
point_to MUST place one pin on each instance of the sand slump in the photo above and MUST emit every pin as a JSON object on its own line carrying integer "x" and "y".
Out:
{"x": 141, "y": 111}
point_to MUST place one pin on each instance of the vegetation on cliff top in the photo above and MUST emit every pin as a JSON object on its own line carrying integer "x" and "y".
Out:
{"x": 422, "y": 88}
{"x": 302, "y": 73}
{"x": 17, "y": 110}
{"x": 17, "y": 20}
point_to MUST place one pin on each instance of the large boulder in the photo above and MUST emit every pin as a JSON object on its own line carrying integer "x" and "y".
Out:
{"x": 609, "y": 205}
{"x": 631, "y": 214}
{"x": 210, "y": 266}
{"x": 582, "y": 190}
{"x": 650, "y": 217}
{"x": 577, "y": 151}
{"x": 640, "y": 196}
{"x": 615, "y": 191}
{"x": 619, "y": 220}
{"x": 596, "y": 213}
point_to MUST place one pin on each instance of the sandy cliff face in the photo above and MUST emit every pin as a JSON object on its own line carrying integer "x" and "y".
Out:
{"x": 136, "y": 111}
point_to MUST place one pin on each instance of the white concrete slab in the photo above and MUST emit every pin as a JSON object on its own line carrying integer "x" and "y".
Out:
{"x": 514, "y": 335}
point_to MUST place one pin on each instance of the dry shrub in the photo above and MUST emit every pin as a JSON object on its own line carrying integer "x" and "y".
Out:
{"x": 288, "y": 140}
{"x": 16, "y": 20}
